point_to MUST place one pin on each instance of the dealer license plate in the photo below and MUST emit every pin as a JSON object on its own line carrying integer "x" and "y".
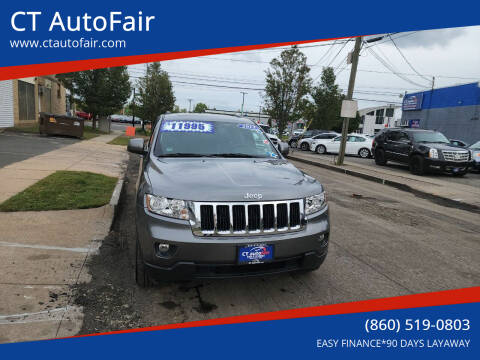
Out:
{"x": 255, "y": 254}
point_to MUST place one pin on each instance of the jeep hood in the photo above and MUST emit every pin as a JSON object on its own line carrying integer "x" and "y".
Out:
{"x": 220, "y": 179}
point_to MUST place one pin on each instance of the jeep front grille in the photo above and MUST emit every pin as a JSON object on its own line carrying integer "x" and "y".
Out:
{"x": 455, "y": 155}
{"x": 247, "y": 218}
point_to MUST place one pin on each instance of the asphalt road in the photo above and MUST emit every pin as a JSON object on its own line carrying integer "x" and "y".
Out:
{"x": 472, "y": 178}
{"x": 384, "y": 242}
{"x": 17, "y": 146}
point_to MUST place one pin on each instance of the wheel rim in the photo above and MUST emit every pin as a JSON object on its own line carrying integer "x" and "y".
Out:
{"x": 364, "y": 153}
{"x": 294, "y": 144}
{"x": 304, "y": 146}
{"x": 321, "y": 149}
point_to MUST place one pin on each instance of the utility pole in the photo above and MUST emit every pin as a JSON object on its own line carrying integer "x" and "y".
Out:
{"x": 189, "y": 105}
{"x": 351, "y": 86}
{"x": 243, "y": 99}
{"x": 133, "y": 108}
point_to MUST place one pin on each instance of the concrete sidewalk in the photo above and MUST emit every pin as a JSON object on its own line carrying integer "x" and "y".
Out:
{"x": 462, "y": 195}
{"x": 42, "y": 254}
{"x": 93, "y": 155}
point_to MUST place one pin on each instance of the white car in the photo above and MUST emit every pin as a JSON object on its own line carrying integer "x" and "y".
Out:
{"x": 305, "y": 144}
{"x": 357, "y": 144}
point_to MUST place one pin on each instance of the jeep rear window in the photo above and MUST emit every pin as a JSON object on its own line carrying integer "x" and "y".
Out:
{"x": 430, "y": 137}
{"x": 223, "y": 139}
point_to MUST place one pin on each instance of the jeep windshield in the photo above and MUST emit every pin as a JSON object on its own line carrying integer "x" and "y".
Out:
{"x": 185, "y": 138}
{"x": 430, "y": 137}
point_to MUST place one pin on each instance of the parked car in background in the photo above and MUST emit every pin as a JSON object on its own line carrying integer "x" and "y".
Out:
{"x": 293, "y": 141}
{"x": 84, "y": 115}
{"x": 116, "y": 118}
{"x": 458, "y": 143}
{"x": 421, "y": 150}
{"x": 305, "y": 144}
{"x": 475, "y": 151}
{"x": 357, "y": 144}
{"x": 268, "y": 131}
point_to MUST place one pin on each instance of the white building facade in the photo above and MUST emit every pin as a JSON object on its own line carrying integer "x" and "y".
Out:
{"x": 376, "y": 118}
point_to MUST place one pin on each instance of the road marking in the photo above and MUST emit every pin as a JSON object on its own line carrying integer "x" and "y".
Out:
{"x": 46, "y": 315}
{"x": 45, "y": 247}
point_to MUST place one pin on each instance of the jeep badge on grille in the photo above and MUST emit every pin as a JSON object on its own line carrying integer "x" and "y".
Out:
{"x": 257, "y": 196}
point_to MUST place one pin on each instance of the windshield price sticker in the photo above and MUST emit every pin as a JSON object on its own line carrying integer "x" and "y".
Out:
{"x": 188, "y": 126}
{"x": 249, "y": 127}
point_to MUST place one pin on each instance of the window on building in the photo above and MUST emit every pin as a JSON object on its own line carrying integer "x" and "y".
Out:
{"x": 389, "y": 112}
{"x": 371, "y": 113}
{"x": 26, "y": 101}
{"x": 379, "y": 116}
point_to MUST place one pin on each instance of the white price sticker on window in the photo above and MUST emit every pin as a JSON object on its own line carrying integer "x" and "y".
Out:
{"x": 188, "y": 126}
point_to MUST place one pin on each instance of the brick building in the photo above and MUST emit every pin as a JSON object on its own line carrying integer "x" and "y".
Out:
{"x": 21, "y": 100}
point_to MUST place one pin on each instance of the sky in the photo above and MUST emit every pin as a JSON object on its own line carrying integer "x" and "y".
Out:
{"x": 386, "y": 70}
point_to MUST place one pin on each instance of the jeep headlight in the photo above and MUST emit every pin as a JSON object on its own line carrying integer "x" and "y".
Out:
{"x": 168, "y": 207}
{"x": 315, "y": 203}
{"x": 433, "y": 153}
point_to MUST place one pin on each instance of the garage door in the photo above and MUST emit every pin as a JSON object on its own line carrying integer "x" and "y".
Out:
{"x": 6, "y": 103}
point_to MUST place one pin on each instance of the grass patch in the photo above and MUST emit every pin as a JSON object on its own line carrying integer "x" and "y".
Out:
{"x": 142, "y": 132}
{"x": 63, "y": 190}
{"x": 90, "y": 133}
{"x": 120, "y": 140}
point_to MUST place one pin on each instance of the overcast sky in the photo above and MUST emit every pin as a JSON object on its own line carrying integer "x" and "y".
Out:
{"x": 451, "y": 55}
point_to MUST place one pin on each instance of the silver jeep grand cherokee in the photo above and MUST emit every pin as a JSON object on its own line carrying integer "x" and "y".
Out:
{"x": 216, "y": 199}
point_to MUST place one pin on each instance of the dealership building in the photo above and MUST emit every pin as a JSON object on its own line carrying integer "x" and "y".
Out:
{"x": 453, "y": 110}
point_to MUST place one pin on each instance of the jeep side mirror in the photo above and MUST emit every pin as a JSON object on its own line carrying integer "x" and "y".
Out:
{"x": 136, "y": 146}
{"x": 284, "y": 148}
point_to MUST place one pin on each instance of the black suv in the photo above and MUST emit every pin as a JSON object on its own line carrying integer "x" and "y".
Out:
{"x": 293, "y": 141}
{"x": 421, "y": 150}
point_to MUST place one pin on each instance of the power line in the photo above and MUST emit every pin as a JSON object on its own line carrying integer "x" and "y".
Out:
{"x": 392, "y": 69}
{"x": 406, "y": 60}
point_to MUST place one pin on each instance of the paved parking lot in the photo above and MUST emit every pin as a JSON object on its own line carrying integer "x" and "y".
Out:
{"x": 17, "y": 146}
{"x": 384, "y": 242}
{"x": 472, "y": 178}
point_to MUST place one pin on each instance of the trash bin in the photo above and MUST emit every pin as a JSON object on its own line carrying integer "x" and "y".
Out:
{"x": 51, "y": 124}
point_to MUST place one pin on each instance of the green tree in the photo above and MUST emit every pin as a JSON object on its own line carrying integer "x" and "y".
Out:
{"x": 100, "y": 92}
{"x": 324, "y": 112}
{"x": 287, "y": 86}
{"x": 178, "y": 109}
{"x": 200, "y": 108}
{"x": 155, "y": 93}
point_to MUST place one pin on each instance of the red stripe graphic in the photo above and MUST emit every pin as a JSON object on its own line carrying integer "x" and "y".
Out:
{"x": 448, "y": 297}
{"x": 20, "y": 71}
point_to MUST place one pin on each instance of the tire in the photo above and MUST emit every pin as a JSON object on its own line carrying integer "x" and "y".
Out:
{"x": 141, "y": 276}
{"x": 364, "y": 153}
{"x": 417, "y": 165}
{"x": 380, "y": 158}
{"x": 304, "y": 146}
{"x": 321, "y": 149}
{"x": 293, "y": 144}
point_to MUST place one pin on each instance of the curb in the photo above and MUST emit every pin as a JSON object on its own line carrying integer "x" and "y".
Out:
{"x": 398, "y": 185}
{"x": 117, "y": 191}
{"x": 110, "y": 214}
